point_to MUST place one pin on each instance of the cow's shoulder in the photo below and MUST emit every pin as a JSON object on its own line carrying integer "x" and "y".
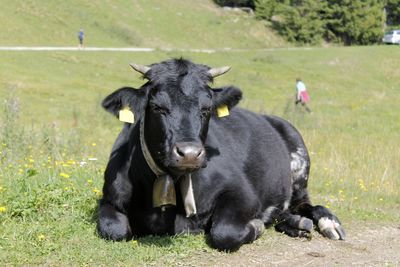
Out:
{"x": 122, "y": 150}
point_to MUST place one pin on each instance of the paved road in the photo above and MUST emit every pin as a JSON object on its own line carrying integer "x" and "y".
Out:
{"x": 138, "y": 49}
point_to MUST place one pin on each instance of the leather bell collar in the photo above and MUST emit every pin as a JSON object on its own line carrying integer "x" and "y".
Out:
{"x": 163, "y": 188}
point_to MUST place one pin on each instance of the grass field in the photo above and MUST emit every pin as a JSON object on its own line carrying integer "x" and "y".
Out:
{"x": 55, "y": 140}
{"x": 156, "y": 23}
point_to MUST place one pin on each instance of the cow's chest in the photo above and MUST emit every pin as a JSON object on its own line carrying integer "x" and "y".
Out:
{"x": 154, "y": 221}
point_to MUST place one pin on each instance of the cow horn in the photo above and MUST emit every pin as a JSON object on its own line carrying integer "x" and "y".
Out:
{"x": 140, "y": 68}
{"x": 214, "y": 72}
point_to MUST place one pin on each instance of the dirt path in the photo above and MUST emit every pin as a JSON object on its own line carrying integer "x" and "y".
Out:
{"x": 366, "y": 245}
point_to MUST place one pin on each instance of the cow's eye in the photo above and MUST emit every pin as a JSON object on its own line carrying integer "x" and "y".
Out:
{"x": 205, "y": 111}
{"x": 159, "y": 109}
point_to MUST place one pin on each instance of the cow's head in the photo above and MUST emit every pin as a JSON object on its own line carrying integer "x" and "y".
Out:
{"x": 176, "y": 104}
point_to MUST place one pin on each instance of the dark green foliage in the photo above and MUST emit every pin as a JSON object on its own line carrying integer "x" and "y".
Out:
{"x": 341, "y": 21}
{"x": 235, "y": 3}
{"x": 265, "y": 9}
{"x": 354, "y": 22}
{"x": 300, "y": 22}
{"x": 392, "y": 12}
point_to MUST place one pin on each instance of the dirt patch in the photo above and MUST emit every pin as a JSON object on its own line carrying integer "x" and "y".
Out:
{"x": 367, "y": 245}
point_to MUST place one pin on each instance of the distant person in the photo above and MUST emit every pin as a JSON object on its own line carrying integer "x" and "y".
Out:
{"x": 81, "y": 36}
{"x": 302, "y": 95}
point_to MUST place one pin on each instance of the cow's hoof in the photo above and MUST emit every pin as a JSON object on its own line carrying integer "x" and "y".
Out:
{"x": 114, "y": 233}
{"x": 305, "y": 224}
{"x": 258, "y": 226}
{"x": 331, "y": 228}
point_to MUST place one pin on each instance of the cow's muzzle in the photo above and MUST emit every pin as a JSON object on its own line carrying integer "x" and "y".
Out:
{"x": 188, "y": 155}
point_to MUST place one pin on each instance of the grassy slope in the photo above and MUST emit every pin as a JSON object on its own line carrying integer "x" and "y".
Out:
{"x": 156, "y": 23}
{"x": 49, "y": 219}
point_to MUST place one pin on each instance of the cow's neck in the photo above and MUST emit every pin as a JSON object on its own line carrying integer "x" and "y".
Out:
{"x": 164, "y": 188}
{"x": 146, "y": 152}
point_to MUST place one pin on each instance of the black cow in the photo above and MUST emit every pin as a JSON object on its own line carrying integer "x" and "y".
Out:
{"x": 182, "y": 169}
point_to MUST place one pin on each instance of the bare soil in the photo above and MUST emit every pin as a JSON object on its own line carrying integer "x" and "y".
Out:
{"x": 365, "y": 245}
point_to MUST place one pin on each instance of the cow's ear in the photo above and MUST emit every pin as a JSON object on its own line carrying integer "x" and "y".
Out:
{"x": 228, "y": 96}
{"x": 126, "y": 97}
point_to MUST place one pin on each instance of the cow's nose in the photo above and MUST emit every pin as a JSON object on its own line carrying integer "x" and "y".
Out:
{"x": 188, "y": 154}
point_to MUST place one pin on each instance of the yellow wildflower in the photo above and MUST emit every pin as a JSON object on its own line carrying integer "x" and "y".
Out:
{"x": 90, "y": 181}
{"x": 3, "y": 209}
{"x": 94, "y": 144}
{"x": 97, "y": 191}
{"x": 41, "y": 237}
{"x": 64, "y": 175}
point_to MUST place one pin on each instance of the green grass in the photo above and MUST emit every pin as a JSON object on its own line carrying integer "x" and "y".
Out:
{"x": 156, "y": 23}
{"x": 51, "y": 121}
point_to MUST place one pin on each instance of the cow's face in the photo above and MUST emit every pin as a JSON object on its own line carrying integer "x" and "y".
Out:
{"x": 177, "y": 104}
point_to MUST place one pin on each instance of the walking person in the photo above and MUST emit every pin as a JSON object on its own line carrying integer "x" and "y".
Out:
{"x": 81, "y": 36}
{"x": 302, "y": 94}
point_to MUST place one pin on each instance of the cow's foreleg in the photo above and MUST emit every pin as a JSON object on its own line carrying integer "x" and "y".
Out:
{"x": 234, "y": 222}
{"x": 112, "y": 224}
{"x": 229, "y": 236}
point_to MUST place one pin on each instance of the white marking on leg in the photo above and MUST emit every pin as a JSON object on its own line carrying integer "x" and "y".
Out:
{"x": 267, "y": 213}
{"x": 298, "y": 164}
{"x": 286, "y": 205}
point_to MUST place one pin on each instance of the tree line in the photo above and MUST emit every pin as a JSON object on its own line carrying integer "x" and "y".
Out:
{"x": 349, "y": 22}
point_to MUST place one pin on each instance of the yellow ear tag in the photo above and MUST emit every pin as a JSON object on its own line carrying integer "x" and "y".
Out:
{"x": 126, "y": 115}
{"x": 222, "y": 111}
